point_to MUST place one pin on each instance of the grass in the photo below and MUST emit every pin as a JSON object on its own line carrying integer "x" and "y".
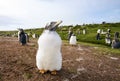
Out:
{"x": 27, "y": 75}
{"x": 89, "y": 37}
{"x": 103, "y": 48}
{"x": 91, "y": 29}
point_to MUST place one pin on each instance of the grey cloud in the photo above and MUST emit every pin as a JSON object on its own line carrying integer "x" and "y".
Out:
{"x": 5, "y": 21}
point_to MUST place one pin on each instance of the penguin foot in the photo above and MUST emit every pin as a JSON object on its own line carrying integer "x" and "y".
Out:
{"x": 42, "y": 71}
{"x": 54, "y": 72}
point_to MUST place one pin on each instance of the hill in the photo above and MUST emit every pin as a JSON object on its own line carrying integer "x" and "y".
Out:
{"x": 90, "y": 36}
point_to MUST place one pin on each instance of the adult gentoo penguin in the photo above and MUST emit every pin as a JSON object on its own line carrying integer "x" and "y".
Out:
{"x": 49, "y": 57}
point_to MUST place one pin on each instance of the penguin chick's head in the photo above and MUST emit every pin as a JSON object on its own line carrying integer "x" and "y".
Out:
{"x": 52, "y": 26}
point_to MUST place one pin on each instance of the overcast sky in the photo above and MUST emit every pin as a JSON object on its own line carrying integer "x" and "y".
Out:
{"x": 36, "y": 13}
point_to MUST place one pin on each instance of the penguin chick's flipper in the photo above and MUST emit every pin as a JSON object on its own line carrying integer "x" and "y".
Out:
{"x": 42, "y": 71}
{"x": 54, "y": 72}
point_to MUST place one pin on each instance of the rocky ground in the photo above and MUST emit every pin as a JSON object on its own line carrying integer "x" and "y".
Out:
{"x": 80, "y": 63}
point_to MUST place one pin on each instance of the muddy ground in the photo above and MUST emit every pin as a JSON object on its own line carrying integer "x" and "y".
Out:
{"x": 80, "y": 63}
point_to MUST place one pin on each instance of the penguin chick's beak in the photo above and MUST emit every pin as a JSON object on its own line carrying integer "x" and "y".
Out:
{"x": 53, "y": 25}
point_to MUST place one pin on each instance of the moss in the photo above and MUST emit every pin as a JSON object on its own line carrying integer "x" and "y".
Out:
{"x": 27, "y": 75}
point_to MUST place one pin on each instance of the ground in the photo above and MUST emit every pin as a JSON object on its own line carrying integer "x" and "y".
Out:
{"x": 80, "y": 63}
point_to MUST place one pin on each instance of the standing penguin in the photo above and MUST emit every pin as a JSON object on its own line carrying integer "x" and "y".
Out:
{"x": 49, "y": 57}
{"x": 22, "y": 37}
{"x": 73, "y": 40}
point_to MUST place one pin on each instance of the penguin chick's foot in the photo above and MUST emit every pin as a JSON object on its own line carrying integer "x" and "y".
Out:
{"x": 54, "y": 72}
{"x": 42, "y": 71}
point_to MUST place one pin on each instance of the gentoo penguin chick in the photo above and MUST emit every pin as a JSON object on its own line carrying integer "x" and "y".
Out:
{"x": 49, "y": 57}
{"x": 73, "y": 40}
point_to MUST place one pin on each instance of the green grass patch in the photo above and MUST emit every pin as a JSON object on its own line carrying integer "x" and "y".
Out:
{"x": 27, "y": 75}
{"x": 102, "y": 48}
{"x": 89, "y": 37}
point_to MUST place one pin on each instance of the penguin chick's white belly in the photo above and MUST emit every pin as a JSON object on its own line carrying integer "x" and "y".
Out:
{"x": 49, "y": 51}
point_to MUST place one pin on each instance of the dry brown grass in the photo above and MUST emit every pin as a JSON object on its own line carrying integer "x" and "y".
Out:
{"x": 80, "y": 63}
